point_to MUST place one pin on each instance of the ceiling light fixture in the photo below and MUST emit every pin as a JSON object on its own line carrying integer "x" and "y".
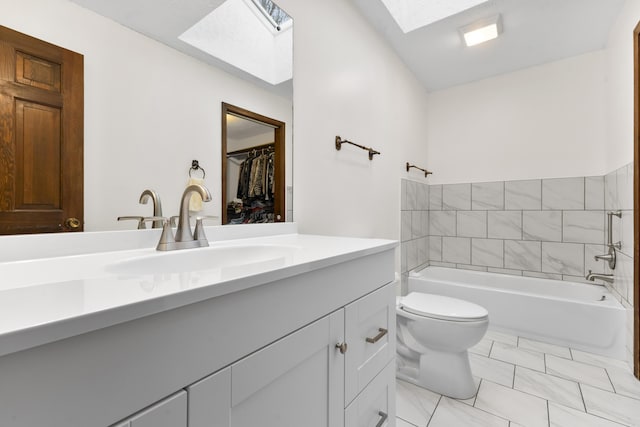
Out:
{"x": 482, "y": 30}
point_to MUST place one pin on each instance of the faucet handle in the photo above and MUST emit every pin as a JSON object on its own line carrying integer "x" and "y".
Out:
{"x": 167, "y": 241}
{"x": 140, "y": 219}
{"x": 158, "y": 221}
{"x": 198, "y": 233}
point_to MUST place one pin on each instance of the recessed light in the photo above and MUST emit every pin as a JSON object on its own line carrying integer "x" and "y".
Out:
{"x": 482, "y": 30}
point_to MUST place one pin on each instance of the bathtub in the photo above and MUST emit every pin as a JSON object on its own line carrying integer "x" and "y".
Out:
{"x": 576, "y": 315}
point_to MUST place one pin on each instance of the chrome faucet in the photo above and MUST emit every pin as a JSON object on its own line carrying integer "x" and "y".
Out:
{"x": 184, "y": 239}
{"x": 157, "y": 206}
{"x": 600, "y": 276}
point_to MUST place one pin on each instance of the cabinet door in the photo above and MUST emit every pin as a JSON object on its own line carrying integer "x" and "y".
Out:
{"x": 375, "y": 406}
{"x": 370, "y": 330}
{"x": 170, "y": 412}
{"x": 210, "y": 400}
{"x": 296, "y": 381}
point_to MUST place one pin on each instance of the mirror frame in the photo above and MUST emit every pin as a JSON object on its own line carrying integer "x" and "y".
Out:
{"x": 279, "y": 205}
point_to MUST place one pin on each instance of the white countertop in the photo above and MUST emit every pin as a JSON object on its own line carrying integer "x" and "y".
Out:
{"x": 57, "y": 286}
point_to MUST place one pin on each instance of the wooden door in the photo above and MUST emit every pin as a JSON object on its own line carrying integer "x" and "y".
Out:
{"x": 636, "y": 203}
{"x": 41, "y": 136}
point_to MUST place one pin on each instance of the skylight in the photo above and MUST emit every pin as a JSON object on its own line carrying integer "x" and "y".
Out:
{"x": 413, "y": 14}
{"x": 241, "y": 33}
{"x": 276, "y": 16}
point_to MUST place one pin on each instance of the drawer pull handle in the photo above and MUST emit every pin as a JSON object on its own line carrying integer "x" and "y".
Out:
{"x": 383, "y": 418}
{"x": 342, "y": 347}
{"x": 378, "y": 337}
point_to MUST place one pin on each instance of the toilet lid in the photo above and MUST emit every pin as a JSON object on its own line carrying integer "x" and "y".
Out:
{"x": 441, "y": 307}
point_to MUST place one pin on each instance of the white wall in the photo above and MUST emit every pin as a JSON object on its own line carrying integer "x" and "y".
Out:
{"x": 348, "y": 82}
{"x": 619, "y": 140}
{"x": 542, "y": 122}
{"x": 149, "y": 110}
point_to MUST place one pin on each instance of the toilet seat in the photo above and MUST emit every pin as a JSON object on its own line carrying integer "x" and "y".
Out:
{"x": 442, "y": 308}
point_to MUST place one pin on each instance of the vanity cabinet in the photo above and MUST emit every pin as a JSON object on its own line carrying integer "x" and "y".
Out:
{"x": 260, "y": 352}
{"x": 300, "y": 380}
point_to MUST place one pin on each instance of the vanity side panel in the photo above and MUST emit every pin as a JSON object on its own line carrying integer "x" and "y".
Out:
{"x": 134, "y": 364}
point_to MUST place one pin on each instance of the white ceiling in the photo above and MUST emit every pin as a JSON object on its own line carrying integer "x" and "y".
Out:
{"x": 535, "y": 32}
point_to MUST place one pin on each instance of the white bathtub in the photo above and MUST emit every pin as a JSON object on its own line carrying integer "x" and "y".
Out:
{"x": 565, "y": 313}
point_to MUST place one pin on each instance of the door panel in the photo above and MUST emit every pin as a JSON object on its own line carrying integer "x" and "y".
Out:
{"x": 41, "y": 136}
{"x": 38, "y": 145}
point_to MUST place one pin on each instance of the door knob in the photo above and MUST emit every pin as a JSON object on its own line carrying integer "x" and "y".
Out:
{"x": 72, "y": 223}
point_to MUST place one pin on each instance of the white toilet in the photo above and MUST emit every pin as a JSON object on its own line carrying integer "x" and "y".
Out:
{"x": 434, "y": 334}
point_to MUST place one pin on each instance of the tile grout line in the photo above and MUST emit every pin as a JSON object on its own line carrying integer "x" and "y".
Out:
{"x": 435, "y": 408}
{"x": 582, "y": 397}
{"x": 611, "y": 382}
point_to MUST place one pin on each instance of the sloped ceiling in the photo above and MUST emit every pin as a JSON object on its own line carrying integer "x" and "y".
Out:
{"x": 534, "y": 32}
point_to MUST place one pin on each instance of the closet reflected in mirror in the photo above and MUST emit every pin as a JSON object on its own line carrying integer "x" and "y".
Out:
{"x": 253, "y": 167}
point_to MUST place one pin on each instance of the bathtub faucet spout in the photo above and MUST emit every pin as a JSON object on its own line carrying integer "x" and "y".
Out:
{"x": 606, "y": 277}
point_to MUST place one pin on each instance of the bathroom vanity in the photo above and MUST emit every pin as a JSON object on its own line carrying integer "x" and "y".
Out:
{"x": 298, "y": 331}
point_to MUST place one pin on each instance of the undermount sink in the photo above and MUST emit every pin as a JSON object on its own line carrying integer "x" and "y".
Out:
{"x": 224, "y": 257}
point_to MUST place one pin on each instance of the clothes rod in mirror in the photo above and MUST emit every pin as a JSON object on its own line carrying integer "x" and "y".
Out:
{"x": 426, "y": 172}
{"x": 340, "y": 141}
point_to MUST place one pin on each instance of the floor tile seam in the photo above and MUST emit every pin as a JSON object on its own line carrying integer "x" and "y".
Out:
{"x": 552, "y": 400}
{"x": 609, "y": 366}
{"x": 435, "y": 408}
{"x": 524, "y": 350}
{"x": 610, "y": 381}
{"x": 590, "y": 414}
{"x": 514, "y": 389}
{"x": 588, "y": 365}
{"x": 615, "y": 393}
{"x": 547, "y": 353}
{"x": 483, "y": 410}
{"x": 516, "y": 364}
{"x": 622, "y": 394}
{"x": 559, "y": 377}
{"x": 408, "y": 422}
{"x": 579, "y": 382}
{"x": 529, "y": 394}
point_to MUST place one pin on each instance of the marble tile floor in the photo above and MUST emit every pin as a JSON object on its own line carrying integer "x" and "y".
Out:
{"x": 527, "y": 383}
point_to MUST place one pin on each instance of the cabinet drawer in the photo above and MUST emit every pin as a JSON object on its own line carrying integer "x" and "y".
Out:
{"x": 375, "y": 406}
{"x": 370, "y": 331}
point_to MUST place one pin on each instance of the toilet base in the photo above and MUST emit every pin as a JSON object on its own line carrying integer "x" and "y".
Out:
{"x": 448, "y": 374}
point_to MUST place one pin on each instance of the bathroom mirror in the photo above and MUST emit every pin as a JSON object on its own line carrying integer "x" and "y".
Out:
{"x": 253, "y": 167}
{"x": 131, "y": 110}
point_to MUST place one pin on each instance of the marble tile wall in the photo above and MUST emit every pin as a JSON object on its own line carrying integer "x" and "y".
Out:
{"x": 548, "y": 228}
{"x": 414, "y": 225}
{"x": 618, "y": 187}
